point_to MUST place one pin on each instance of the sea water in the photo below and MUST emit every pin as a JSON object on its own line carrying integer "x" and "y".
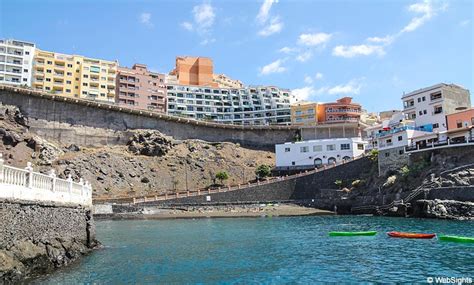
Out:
{"x": 269, "y": 250}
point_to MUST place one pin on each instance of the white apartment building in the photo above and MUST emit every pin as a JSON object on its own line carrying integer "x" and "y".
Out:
{"x": 315, "y": 153}
{"x": 16, "y": 62}
{"x": 430, "y": 105}
{"x": 254, "y": 105}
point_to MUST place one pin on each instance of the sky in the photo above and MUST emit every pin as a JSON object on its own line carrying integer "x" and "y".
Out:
{"x": 371, "y": 50}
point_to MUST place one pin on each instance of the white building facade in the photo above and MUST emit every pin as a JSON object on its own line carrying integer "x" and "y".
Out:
{"x": 259, "y": 105}
{"x": 316, "y": 153}
{"x": 430, "y": 105}
{"x": 16, "y": 62}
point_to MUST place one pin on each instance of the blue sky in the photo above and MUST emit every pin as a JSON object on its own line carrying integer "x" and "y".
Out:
{"x": 372, "y": 50}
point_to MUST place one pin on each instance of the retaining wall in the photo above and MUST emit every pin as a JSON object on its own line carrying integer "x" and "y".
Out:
{"x": 71, "y": 120}
{"x": 36, "y": 237}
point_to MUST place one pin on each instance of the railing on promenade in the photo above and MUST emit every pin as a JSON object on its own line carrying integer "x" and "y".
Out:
{"x": 25, "y": 184}
{"x": 201, "y": 192}
{"x": 440, "y": 144}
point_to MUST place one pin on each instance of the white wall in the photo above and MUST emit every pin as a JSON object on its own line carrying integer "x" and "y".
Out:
{"x": 295, "y": 156}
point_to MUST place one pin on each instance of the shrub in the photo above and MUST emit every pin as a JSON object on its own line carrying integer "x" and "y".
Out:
{"x": 263, "y": 171}
{"x": 358, "y": 183}
{"x": 222, "y": 175}
{"x": 404, "y": 171}
{"x": 373, "y": 154}
{"x": 338, "y": 182}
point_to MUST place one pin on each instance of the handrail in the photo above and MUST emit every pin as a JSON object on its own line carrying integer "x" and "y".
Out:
{"x": 25, "y": 184}
{"x": 201, "y": 192}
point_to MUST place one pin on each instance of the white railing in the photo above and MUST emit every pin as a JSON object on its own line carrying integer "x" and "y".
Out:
{"x": 25, "y": 184}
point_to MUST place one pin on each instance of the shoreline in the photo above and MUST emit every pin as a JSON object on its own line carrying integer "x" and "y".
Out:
{"x": 250, "y": 211}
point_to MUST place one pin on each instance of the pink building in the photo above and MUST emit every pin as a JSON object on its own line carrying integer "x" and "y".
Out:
{"x": 139, "y": 88}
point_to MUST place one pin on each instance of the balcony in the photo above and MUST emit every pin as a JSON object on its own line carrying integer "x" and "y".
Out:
{"x": 343, "y": 110}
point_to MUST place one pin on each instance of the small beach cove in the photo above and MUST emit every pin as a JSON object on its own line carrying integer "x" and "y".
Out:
{"x": 269, "y": 250}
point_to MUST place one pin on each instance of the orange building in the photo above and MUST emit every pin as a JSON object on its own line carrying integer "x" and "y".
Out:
{"x": 343, "y": 110}
{"x": 460, "y": 119}
{"x": 194, "y": 71}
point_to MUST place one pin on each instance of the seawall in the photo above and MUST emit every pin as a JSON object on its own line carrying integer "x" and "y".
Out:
{"x": 36, "y": 237}
{"x": 70, "y": 120}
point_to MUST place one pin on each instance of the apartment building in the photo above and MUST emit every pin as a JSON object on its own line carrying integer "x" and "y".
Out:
{"x": 343, "y": 110}
{"x": 305, "y": 113}
{"x": 74, "y": 76}
{"x": 197, "y": 71}
{"x": 223, "y": 81}
{"x": 139, "y": 88}
{"x": 430, "y": 105}
{"x": 316, "y": 153}
{"x": 254, "y": 105}
{"x": 16, "y": 62}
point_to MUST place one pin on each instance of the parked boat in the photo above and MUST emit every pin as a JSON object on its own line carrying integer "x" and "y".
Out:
{"x": 367, "y": 233}
{"x": 457, "y": 239}
{"x": 410, "y": 235}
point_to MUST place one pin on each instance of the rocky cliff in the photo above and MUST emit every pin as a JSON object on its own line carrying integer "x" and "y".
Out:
{"x": 149, "y": 162}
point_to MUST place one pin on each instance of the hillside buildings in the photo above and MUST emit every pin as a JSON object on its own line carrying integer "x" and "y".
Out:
{"x": 430, "y": 105}
{"x": 139, "y": 88}
{"x": 257, "y": 105}
{"x": 16, "y": 62}
{"x": 74, "y": 76}
{"x": 341, "y": 111}
{"x": 197, "y": 71}
{"x": 316, "y": 153}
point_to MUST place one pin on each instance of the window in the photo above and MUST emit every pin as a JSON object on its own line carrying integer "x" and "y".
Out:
{"x": 84, "y": 84}
{"x": 69, "y": 74}
{"x": 48, "y": 79}
{"x": 287, "y": 149}
{"x": 423, "y": 98}
{"x": 435, "y": 126}
{"x": 419, "y": 100}
{"x": 68, "y": 90}
{"x": 304, "y": 149}
{"x": 331, "y": 160}
{"x": 436, "y": 95}
{"x": 424, "y": 112}
{"x": 458, "y": 124}
{"x": 400, "y": 152}
{"x": 317, "y": 148}
{"x": 387, "y": 154}
{"x": 400, "y": 138}
{"x": 345, "y": 146}
{"x": 68, "y": 82}
{"x": 69, "y": 65}
{"x": 86, "y": 76}
{"x": 50, "y": 62}
{"x": 472, "y": 120}
{"x": 27, "y": 52}
{"x": 48, "y": 70}
{"x": 360, "y": 146}
{"x": 331, "y": 147}
{"x": 420, "y": 113}
{"x": 438, "y": 109}
{"x": 318, "y": 162}
{"x": 293, "y": 163}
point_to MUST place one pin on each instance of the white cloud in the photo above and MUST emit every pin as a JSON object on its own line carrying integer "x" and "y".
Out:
{"x": 464, "y": 23}
{"x": 187, "y": 26}
{"x": 318, "y": 76}
{"x": 271, "y": 25}
{"x": 308, "y": 79}
{"x": 425, "y": 10}
{"x": 352, "y": 87}
{"x": 264, "y": 11}
{"x": 204, "y": 15}
{"x": 352, "y": 51}
{"x": 207, "y": 41}
{"x": 305, "y": 56}
{"x": 287, "y": 50}
{"x": 145, "y": 18}
{"x": 314, "y": 39}
{"x": 385, "y": 40}
{"x": 275, "y": 26}
{"x": 274, "y": 67}
{"x": 303, "y": 93}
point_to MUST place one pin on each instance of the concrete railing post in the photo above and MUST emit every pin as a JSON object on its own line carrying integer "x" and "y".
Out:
{"x": 52, "y": 174}
{"x": 134, "y": 200}
{"x": 1, "y": 167}
{"x": 81, "y": 182}
{"x": 69, "y": 185}
{"x": 29, "y": 181}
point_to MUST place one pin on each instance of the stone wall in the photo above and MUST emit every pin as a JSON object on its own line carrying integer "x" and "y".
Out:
{"x": 75, "y": 121}
{"x": 314, "y": 186}
{"x": 38, "y": 237}
{"x": 392, "y": 160}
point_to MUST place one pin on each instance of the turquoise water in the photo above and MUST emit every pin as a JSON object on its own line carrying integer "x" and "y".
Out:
{"x": 269, "y": 250}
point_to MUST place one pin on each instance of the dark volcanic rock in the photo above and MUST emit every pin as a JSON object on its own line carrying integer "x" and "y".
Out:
{"x": 150, "y": 143}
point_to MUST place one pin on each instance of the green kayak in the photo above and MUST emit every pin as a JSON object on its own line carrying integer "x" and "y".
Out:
{"x": 457, "y": 239}
{"x": 347, "y": 234}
